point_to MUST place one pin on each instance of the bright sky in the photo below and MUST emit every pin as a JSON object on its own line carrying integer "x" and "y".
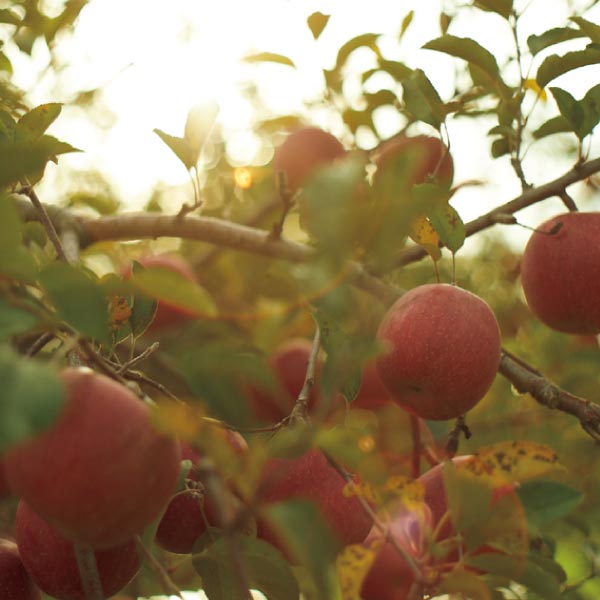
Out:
{"x": 155, "y": 60}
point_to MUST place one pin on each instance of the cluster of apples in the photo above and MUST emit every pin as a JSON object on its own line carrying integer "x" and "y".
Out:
{"x": 96, "y": 479}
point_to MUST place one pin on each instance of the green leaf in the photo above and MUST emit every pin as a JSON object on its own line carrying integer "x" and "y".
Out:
{"x": 406, "y": 21}
{"x": 550, "y": 566}
{"x": 31, "y": 399}
{"x": 10, "y": 226}
{"x": 500, "y": 147}
{"x": 317, "y": 23}
{"x": 5, "y": 64}
{"x": 7, "y": 126}
{"x": 180, "y": 147}
{"x": 51, "y": 147}
{"x": 167, "y": 285}
{"x": 198, "y": 126}
{"x": 9, "y": 17}
{"x": 502, "y": 7}
{"x": 448, "y": 225}
{"x": 399, "y": 71}
{"x": 279, "y": 59}
{"x": 18, "y": 160}
{"x": 546, "y": 501}
{"x": 265, "y": 568}
{"x": 557, "y": 35}
{"x": 590, "y": 29}
{"x": 554, "y": 66}
{"x": 515, "y": 568}
{"x": 366, "y": 40}
{"x": 569, "y": 108}
{"x": 468, "y": 50}
{"x": 14, "y": 320}
{"x": 554, "y": 125}
{"x": 422, "y": 100}
{"x": 33, "y": 124}
{"x": 143, "y": 309}
{"x": 79, "y": 301}
{"x": 308, "y": 539}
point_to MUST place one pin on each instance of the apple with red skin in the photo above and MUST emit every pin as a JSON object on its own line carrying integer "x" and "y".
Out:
{"x": 189, "y": 511}
{"x": 15, "y": 582}
{"x": 421, "y": 154}
{"x": 304, "y": 150}
{"x": 50, "y": 559}
{"x": 288, "y": 364}
{"x": 560, "y": 273}
{"x": 102, "y": 472}
{"x": 311, "y": 477}
{"x": 168, "y": 315}
{"x": 442, "y": 351}
{"x": 390, "y": 577}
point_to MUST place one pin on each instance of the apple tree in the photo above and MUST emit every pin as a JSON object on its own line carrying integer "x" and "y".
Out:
{"x": 315, "y": 377}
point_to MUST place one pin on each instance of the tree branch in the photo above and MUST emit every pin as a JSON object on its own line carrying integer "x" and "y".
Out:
{"x": 527, "y": 380}
{"x": 557, "y": 187}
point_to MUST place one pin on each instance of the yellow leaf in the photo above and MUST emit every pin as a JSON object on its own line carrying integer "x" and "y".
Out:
{"x": 519, "y": 461}
{"x": 353, "y": 564}
{"x": 421, "y": 232}
{"x": 531, "y": 84}
{"x": 183, "y": 421}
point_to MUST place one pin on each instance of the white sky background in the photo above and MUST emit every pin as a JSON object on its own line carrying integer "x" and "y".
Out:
{"x": 155, "y": 60}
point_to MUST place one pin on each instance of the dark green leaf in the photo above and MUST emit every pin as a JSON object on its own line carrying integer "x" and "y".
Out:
{"x": 569, "y": 108}
{"x": 179, "y": 147}
{"x": 448, "y": 225}
{"x": 500, "y": 147}
{"x": 32, "y": 125}
{"x": 422, "y": 100}
{"x": 590, "y": 29}
{"x": 526, "y": 573}
{"x": 399, "y": 71}
{"x": 554, "y": 125}
{"x": 7, "y": 126}
{"x": 380, "y": 98}
{"x": 31, "y": 398}
{"x": 14, "y": 320}
{"x": 266, "y": 570}
{"x": 260, "y": 57}
{"x": 557, "y": 35}
{"x": 10, "y": 226}
{"x": 308, "y": 539}
{"x": 554, "y": 66}
{"x": 502, "y": 7}
{"x": 317, "y": 23}
{"x": 546, "y": 501}
{"x": 468, "y": 50}
{"x": 550, "y": 566}
{"x": 79, "y": 301}
{"x": 18, "y": 160}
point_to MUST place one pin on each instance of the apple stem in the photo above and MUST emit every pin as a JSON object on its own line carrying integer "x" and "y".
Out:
{"x": 415, "y": 430}
{"x": 88, "y": 572}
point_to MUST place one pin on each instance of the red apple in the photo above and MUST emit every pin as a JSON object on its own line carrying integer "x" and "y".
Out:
{"x": 442, "y": 351}
{"x": 390, "y": 577}
{"x": 50, "y": 559}
{"x": 288, "y": 364}
{"x": 190, "y": 510}
{"x": 15, "y": 583}
{"x": 420, "y": 155}
{"x": 310, "y": 477}
{"x": 168, "y": 315}
{"x": 102, "y": 473}
{"x": 560, "y": 273}
{"x": 303, "y": 151}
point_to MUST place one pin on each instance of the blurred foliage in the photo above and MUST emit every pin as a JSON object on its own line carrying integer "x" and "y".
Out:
{"x": 243, "y": 306}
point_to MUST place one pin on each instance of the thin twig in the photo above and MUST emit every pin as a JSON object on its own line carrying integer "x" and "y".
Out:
{"x": 300, "y": 411}
{"x": 46, "y": 221}
{"x": 168, "y": 584}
